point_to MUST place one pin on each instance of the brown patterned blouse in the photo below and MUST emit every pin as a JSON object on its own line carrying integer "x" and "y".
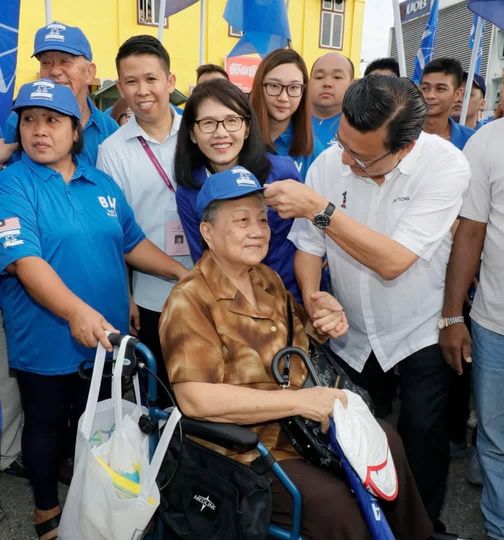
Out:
{"x": 210, "y": 333}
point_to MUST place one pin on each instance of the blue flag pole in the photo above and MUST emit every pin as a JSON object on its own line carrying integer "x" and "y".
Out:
{"x": 472, "y": 67}
{"x": 399, "y": 39}
{"x": 428, "y": 43}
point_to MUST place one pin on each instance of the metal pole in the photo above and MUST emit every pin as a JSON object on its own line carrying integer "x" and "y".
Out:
{"x": 48, "y": 12}
{"x": 399, "y": 39}
{"x": 472, "y": 68}
{"x": 202, "y": 32}
{"x": 160, "y": 28}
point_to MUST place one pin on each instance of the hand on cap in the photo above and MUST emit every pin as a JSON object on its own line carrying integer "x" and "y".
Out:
{"x": 293, "y": 199}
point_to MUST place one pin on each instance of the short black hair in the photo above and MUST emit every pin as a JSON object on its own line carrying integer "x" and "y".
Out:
{"x": 210, "y": 68}
{"x": 396, "y": 102}
{"x": 383, "y": 63}
{"x": 144, "y": 44}
{"x": 188, "y": 156}
{"x": 76, "y": 125}
{"x": 448, "y": 66}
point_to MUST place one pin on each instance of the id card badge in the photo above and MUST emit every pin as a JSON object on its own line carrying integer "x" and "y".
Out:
{"x": 175, "y": 239}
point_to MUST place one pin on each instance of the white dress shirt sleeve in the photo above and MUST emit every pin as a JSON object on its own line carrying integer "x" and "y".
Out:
{"x": 478, "y": 197}
{"x": 434, "y": 206}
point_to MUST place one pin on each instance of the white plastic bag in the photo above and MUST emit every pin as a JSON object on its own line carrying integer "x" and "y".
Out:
{"x": 365, "y": 446}
{"x": 100, "y": 505}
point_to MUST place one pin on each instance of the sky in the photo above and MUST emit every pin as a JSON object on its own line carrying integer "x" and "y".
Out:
{"x": 378, "y": 18}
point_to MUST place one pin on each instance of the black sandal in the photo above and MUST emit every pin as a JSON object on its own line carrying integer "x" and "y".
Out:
{"x": 47, "y": 526}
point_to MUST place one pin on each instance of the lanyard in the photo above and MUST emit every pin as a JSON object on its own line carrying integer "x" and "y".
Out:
{"x": 155, "y": 162}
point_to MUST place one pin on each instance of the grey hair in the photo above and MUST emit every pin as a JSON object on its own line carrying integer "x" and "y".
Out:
{"x": 212, "y": 210}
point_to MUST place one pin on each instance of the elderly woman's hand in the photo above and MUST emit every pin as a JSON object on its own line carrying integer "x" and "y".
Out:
{"x": 317, "y": 403}
{"x": 327, "y": 315}
{"x": 88, "y": 327}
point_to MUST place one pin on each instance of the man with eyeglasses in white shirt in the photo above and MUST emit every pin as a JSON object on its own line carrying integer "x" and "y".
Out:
{"x": 380, "y": 204}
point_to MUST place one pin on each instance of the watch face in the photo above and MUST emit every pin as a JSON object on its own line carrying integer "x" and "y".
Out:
{"x": 441, "y": 323}
{"x": 321, "y": 220}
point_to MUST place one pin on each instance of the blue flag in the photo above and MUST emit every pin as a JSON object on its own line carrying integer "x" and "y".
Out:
{"x": 264, "y": 24}
{"x": 477, "y": 69}
{"x": 174, "y": 6}
{"x": 428, "y": 43}
{"x": 491, "y": 10}
{"x": 375, "y": 519}
{"x": 9, "y": 24}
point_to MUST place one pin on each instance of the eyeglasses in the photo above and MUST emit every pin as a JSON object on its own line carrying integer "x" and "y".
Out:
{"x": 361, "y": 164}
{"x": 275, "y": 89}
{"x": 231, "y": 124}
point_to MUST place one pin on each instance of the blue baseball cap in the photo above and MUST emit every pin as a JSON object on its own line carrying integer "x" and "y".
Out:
{"x": 479, "y": 81}
{"x": 49, "y": 95}
{"x": 60, "y": 37}
{"x": 231, "y": 184}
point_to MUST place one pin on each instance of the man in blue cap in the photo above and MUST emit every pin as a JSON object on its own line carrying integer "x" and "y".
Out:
{"x": 476, "y": 102}
{"x": 65, "y": 57}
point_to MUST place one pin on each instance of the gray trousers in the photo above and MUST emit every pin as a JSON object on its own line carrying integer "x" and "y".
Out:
{"x": 12, "y": 414}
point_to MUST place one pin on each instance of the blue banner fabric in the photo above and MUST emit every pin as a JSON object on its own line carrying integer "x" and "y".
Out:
{"x": 428, "y": 43}
{"x": 9, "y": 25}
{"x": 491, "y": 10}
{"x": 264, "y": 24}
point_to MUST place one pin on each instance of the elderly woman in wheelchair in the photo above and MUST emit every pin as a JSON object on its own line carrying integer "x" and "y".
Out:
{"x": 221, "y": 327}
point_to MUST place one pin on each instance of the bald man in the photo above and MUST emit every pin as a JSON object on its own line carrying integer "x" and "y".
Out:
{"x": 330, "y": 77}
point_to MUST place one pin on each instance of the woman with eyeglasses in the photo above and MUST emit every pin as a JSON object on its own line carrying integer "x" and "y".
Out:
{"x": 219, "y": 131}
{"x": 280, "y": 99}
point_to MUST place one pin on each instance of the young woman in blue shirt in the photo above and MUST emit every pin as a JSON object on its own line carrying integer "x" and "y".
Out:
{"x": 280, "y": 99}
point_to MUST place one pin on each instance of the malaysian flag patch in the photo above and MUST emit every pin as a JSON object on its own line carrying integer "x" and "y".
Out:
{"x": 9, "y": 224}
{"x": 10, "y": 229}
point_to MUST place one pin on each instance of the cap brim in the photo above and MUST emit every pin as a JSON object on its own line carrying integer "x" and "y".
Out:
{"x": 62, "y": 48}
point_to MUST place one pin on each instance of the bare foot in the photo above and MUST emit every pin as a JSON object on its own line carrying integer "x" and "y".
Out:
{"x": 40, "y": 516}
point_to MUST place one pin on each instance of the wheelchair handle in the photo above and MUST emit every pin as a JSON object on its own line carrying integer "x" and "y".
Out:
{"x": 305, "y": 358}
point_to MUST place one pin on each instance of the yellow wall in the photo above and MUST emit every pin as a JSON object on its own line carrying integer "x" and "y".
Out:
{"x": 107, "y": 23}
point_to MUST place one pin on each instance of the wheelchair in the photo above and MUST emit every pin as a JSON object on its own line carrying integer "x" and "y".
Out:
{"x": 229, "y": 436}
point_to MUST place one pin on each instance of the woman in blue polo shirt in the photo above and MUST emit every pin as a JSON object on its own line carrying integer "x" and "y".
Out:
{"x": 219, "y": 130}
{"x": 280, "y": 99}
{"x": 65, "y": 232}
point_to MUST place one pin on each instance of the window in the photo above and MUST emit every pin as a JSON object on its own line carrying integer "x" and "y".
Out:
{"x": 148, "y": 13}
{"x": 234, "y": 33}
{"x": 331, "y": 24}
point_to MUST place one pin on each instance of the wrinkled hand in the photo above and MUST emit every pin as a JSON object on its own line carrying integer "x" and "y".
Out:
{"x": 327, "y": 315}
{"x": 88, "y": 327}
{"x": 317, "y": 404}
{"x": 455, "y": 343}
{"x": 293, "y": 199}
{"x": 134, "y": 318}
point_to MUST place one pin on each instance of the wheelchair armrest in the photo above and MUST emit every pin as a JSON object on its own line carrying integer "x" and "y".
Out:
{"x": 229, "y": 436}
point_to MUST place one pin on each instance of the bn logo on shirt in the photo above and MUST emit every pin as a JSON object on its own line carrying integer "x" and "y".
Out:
{"x": 109, "y": 203}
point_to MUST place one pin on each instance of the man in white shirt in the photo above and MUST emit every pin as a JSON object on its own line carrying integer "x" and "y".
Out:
{"x": 139, "y": 156}
{"x": 480, "y": 236}
{"x": 380, "y": 205}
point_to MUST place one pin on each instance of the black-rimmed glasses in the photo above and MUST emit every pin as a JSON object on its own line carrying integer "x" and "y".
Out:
{"x": 210, "y": 125}
{"x": 275, "y": 89}
{"x": 361, "y": 164}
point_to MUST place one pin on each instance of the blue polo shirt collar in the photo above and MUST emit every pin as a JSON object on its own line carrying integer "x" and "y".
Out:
{"x": 94, "y": 114}
{"x": 285, "y": 138}
{"x": 82, "y": 170}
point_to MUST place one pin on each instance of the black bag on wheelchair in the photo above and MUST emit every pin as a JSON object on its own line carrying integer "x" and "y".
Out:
{"x": 211, "y": 496}
{"x": 323, "y": 370}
